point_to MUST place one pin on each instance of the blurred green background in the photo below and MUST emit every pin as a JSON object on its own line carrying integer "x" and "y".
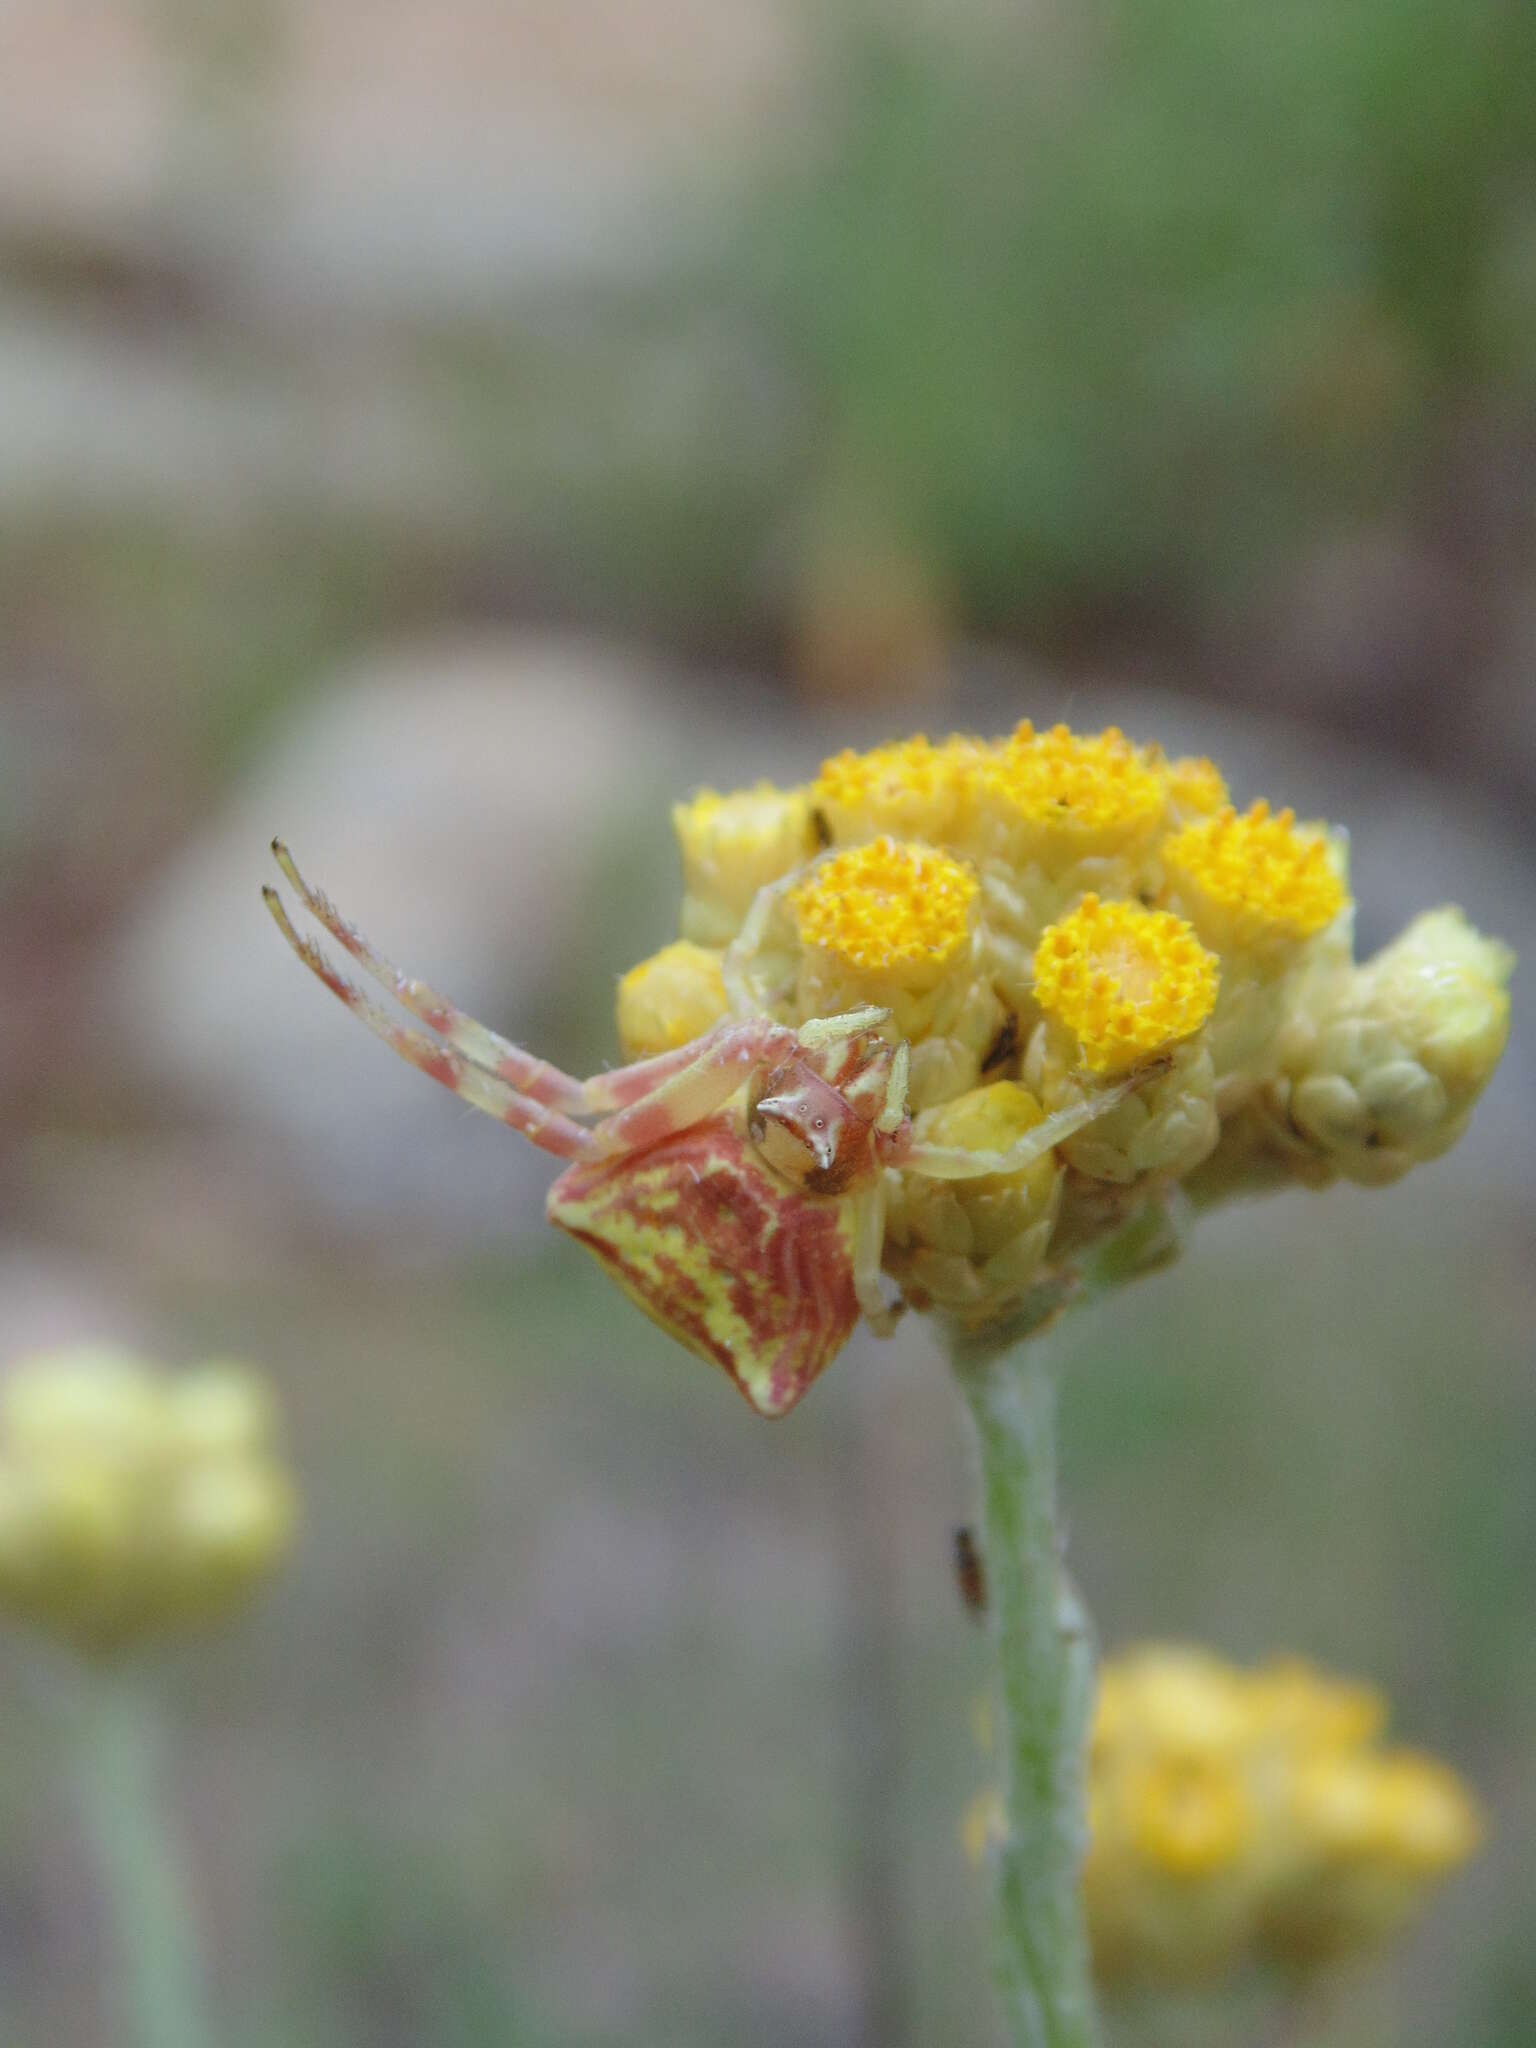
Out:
{"x": 443, "y": 436}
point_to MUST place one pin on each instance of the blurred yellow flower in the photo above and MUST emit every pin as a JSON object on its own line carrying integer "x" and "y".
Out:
{"x": 134, "y": 1503}
{"x": 1241, "y": 1818}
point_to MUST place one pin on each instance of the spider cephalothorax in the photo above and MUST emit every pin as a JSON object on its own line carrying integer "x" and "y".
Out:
{"x": 735, "y": 1187}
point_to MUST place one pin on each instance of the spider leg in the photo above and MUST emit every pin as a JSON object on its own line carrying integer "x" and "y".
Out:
{"x": 717, "y": 1067}
{"x": 954, "y": 1162}
{"x": 548, "y": 1127}
{"x": 487, "y": 1048}
{"x": 824, "y": 1031}
{"x": 881, "y": 1315}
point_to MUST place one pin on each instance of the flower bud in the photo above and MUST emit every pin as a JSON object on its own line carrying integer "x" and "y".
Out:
{"x": 676, "y": 995}
{"x": 972, "y": 1247}
{"x": 734, "y": 845}
{"x": 1385, "y": 1067}
{"x": 132, "y": 1503}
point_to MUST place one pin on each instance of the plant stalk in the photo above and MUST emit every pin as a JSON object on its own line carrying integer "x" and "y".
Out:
{"x": 1044, "y": 1662}
{"x": 119, "y": 1772}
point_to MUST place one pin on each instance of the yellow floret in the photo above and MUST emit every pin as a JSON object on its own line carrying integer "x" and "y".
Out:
{"x": 1196, "y": 786}
{"x": 911, "y": 788}
{"x": 1090, "y": 785}
{"x": 732, "y": 846}
{"x": 1126, "y": 981}
{"x": 887, "y": 905}
{"x": 1257, "y": 876}
{"x": 670, "y": 999}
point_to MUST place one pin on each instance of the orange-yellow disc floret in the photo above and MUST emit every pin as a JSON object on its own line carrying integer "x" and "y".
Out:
{"x": 1259, "y": 870}
{"x": 911, "y": 787}
{"x": 1127, "y": 981}
{"x": 887, "y": 904}
{"x": 1091, "y": 784}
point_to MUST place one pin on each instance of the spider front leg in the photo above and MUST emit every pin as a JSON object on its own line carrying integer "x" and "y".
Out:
{"x": 488, "y": 1049}
{"x": 955, "y": 1162}
{"x": 499, "y": 1059}
{"x": 868, "y": 1206}
{"x": 718, "y": 1066}
{"x": 547, "y": 1127}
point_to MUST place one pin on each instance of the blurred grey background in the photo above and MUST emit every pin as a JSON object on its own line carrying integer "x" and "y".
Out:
{"x": 446, "y": 435}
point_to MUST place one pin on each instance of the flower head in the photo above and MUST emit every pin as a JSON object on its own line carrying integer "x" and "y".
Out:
{"x": 670, "y": 999}
{"x": 1096, "y": 925}
{"x": 1242, "y": 1817}
{"x": 734, "y": 845}
{"x": 912, "y": 789}
{"x": 888, "y": 906}
{"x": 1074, "y": 918}
{"x": 1254, "y": 878}
{"x": 134, "y": 1504}
{"x": 1098, "y": 788}
{"x": 1125, "y": 981}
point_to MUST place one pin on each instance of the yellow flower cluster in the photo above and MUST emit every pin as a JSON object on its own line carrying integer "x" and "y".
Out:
{"x": 133, "y": 1504}
{"x": 1246, "y": 1818}
{"x": 1086, "y": 920}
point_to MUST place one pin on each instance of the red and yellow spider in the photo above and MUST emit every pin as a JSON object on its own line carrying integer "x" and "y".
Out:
{"x": 735, "y": 1188}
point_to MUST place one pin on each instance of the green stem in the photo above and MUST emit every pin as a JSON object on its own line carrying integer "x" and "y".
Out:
{"x": 119, "y": 1773}
{"x": 1045, "y": 1685}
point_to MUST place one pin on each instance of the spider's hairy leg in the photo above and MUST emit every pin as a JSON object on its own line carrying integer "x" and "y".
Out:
{"x": 499, "y": 1056}
{"x": 548, "y": 1127}
{"x": 881, "y": 1315}
{"x": 718, "y": 1067}
{"x": 955, "y": 1162}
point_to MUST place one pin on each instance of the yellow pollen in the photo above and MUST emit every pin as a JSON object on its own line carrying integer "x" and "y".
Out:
{"x": 888, "y": 903}
{"x": 1127, "y": 981}
{"x": 1082, "y": 783}
{"x": 1260, "y": 868}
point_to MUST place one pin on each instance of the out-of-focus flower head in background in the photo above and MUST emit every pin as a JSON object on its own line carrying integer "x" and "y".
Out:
{"x": 1247, "y": 1820}
{"x": 133, "y": 1504}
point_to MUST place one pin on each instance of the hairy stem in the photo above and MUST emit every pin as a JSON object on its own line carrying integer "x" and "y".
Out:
{"x": 1044, "y": 1656}
{"x": 119, "y": 1772}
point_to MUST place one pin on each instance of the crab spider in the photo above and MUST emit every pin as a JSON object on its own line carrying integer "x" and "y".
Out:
{"x": 735, "y": 1188}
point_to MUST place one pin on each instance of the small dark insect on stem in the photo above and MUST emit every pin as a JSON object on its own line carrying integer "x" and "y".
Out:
{"x": 821, "y": 828}
{"x": 970, "y": 1573}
